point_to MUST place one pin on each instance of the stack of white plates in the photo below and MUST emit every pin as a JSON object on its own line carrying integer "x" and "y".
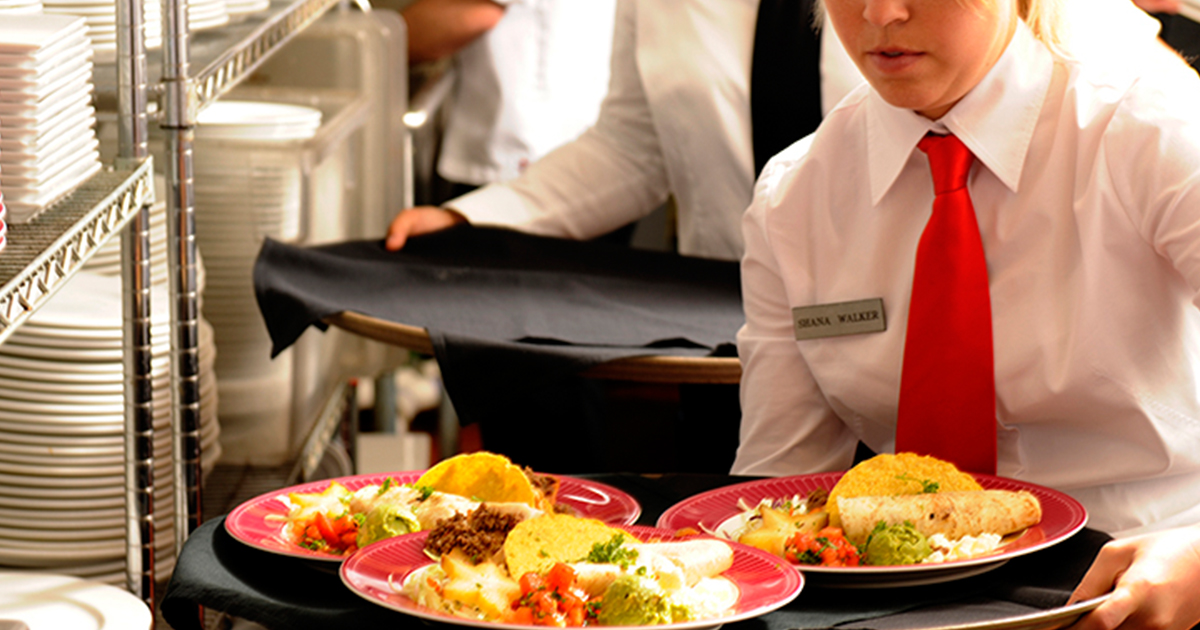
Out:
{"x": 20, "y": 7}
{"x": 248, "y": 186}
{"x": 206, "y": 14}
{"x": 101, "y": 17}
{"x": 48, "y": 142}
{"x": 241, "y": 8}
{"x": 62, "y": 483}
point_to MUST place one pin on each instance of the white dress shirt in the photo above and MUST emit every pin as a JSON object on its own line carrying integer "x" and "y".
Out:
{"x": 527, "y": 86}
{"x": 1087, "y": 192}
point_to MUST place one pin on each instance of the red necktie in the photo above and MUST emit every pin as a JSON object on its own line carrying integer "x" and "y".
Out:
{"x": 947, "y": 388}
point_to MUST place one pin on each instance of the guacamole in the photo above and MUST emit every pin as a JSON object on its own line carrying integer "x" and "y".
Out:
{"x": 896, "y": 544}
{"x": 633, "y": 600}
{"x": 385, "y": 521}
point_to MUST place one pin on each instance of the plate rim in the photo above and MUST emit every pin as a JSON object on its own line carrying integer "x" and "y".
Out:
{"x": 1075, "y": 511}
{"x": 794, "y": 583}
{"x": 233, "y": 525}
{"x": 1058, "y": 613}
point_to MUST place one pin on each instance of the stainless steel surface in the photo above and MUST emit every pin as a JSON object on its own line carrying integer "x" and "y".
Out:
{"x": 227, "y": 57}
{"x": 139, "y": 408}
{"x": 224, "y": 56}
{"x": 185, "y": 357}
{"x": 225, "y": 65}
{"x": 135, "y": 306}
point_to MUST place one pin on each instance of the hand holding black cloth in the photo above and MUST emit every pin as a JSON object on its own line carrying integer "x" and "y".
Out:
{"x": 508, "y": 313}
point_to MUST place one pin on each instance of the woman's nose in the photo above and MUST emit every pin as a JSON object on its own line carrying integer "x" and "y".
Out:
{"x": 885, "y": 12}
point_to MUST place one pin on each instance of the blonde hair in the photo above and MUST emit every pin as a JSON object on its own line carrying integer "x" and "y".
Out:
{"x": 1046, "y": 20}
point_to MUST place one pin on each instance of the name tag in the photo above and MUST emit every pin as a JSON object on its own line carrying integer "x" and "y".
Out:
{"x": 842, "y": 318}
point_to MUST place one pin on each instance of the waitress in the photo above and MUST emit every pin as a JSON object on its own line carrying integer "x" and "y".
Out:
{"x": 991, "y": 253}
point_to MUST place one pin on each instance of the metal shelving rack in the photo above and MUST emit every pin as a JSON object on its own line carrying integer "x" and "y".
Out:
{"x": 44, "y": 253}
{"x": 233, "y": 55}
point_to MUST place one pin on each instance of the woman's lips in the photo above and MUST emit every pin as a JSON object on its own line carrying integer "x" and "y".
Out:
{"x": 893, "y": 60}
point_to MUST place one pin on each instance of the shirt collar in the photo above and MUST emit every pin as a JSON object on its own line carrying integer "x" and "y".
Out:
{"x": 995, "y": 119}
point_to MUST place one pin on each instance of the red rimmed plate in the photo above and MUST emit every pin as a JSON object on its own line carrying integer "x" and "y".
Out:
{"x": 717, "y": 511}
{"x": 764, "y": 581}
{"x": 259, "y": 522}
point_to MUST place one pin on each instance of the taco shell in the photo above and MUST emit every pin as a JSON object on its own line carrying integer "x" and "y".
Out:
{"x": 483, "y": 476}
{"x": 535, "y": 544}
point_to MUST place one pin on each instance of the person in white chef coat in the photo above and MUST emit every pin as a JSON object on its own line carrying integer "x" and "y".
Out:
{"x": 1085, "y": 186}
{"x": 675, "y": 122}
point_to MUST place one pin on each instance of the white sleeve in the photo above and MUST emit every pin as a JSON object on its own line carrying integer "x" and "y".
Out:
{"x": 787, "y": 426}
{"x": 611, "y": 175}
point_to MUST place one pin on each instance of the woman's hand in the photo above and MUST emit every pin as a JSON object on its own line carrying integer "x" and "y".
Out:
{"x": 1154, "y": 580}
{"x": 417, "y": 221}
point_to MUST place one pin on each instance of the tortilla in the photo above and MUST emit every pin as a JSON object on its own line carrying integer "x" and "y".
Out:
{"x": 902, "y": 473}
{"x": 953, "y": 514}
{"x": 535, "y": 544}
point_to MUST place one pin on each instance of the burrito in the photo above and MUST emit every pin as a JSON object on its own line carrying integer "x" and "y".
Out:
{"x": 697, "y": 558}
{"x": 676, "y": 565}
{"x": 952, "y": 514}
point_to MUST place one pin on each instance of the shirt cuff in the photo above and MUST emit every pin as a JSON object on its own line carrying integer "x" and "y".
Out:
{"x": 495, "y": 204}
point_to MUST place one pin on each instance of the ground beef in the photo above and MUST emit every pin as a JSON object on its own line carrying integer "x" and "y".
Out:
{"x": 546, "y": 485}
{"x": 480, "y": 534}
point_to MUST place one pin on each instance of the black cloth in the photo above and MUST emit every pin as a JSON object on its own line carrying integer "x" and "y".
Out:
{"x": 512, "y": 318}
{"x": 1182, "y": 34}
{"x": 785, "y": 77}
{"x": 217, "y": 572}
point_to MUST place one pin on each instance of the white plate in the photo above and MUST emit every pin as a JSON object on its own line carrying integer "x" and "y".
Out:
{"x": 24, "y": 209}
{"x": 25, "y": 34}
{"x": 40, "y": 140}
{"x": 46, "y": 76}
{"x": 257, "y": 120}
{"x": 34, "y": 178}
{"x": 56, "y": 157}
{"x": 49, "y": 189}
{"x": 80, "y": 80}
{"x": 47, "y": 54}
{"x": 44, "y": 600}
{"x": 20, "y": 66}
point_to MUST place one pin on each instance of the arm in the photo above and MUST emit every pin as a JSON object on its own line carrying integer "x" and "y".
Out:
{"x": 611, "y": 175}
{"x": 440, "y": 28}
{"x": 787, "y": 426}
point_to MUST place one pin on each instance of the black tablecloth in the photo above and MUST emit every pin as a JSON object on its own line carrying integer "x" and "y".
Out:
{"x": 511, "y": 316}
{"x": 220, "y": 573}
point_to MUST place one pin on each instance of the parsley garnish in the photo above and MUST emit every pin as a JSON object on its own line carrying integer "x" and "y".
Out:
{"x": 387, "y": 483}
{"x": 928, "y": 486}
{"x": 613, "y": 552}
